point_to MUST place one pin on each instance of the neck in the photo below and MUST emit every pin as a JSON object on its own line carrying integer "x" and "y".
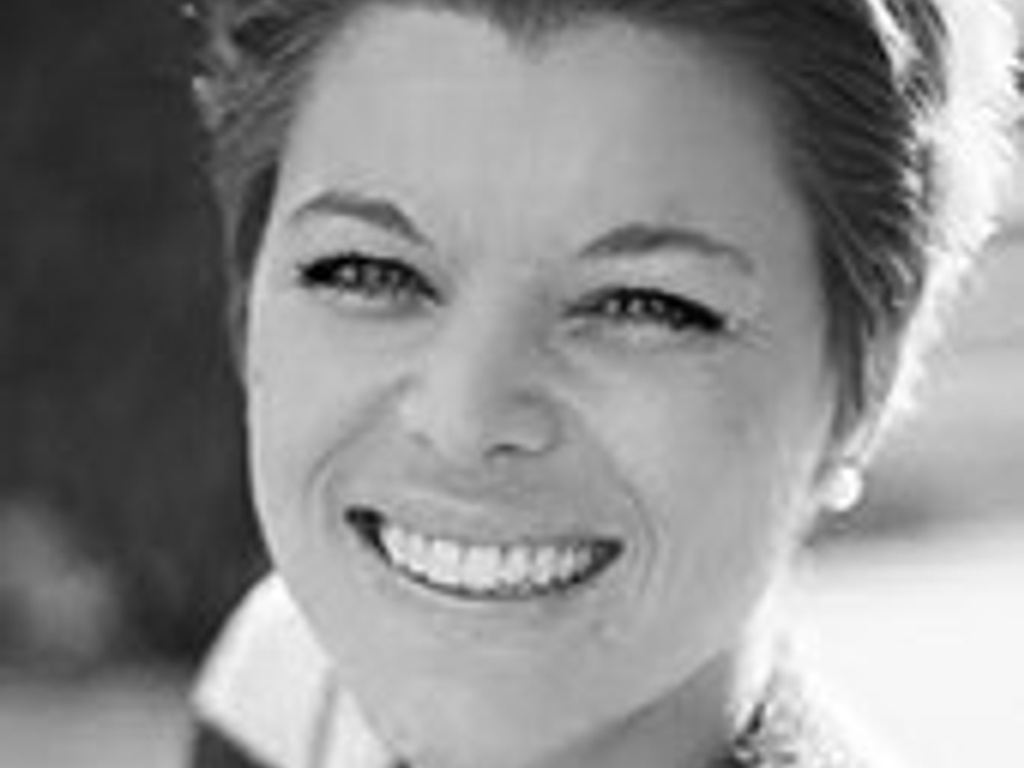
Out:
{"x": 691, "y": 726}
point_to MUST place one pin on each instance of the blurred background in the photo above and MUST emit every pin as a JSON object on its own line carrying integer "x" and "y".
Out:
{"x": 125, "y": 534}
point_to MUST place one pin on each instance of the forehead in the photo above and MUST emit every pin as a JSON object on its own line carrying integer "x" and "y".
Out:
{"x": 600, "y": 120}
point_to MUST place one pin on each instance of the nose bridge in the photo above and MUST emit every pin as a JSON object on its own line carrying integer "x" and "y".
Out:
{"x": 478, "y": 388}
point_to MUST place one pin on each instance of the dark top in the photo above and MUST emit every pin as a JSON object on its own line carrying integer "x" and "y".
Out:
{"x": 211, "y": 749}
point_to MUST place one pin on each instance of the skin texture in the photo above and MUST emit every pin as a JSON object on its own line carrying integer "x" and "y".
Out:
{"x": 503, "y": 402}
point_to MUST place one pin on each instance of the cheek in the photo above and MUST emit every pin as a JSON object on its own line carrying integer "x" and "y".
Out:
{"x": 719, "y": 463}
{"x": 307, "y": 404}
{"x": 693, "y": 441}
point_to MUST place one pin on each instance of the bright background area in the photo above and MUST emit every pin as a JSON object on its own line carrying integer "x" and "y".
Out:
{"x": 124, "y": 528}
{"x": 923, "y": 644}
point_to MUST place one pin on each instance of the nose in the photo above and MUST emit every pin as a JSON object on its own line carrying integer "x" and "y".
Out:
{"x": 476, "y": 396}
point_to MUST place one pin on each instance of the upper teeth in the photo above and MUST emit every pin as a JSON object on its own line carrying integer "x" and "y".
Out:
{"x": 516, "y": 569}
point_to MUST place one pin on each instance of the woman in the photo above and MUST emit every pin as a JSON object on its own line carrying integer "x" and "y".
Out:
{"x": 559, "y": 323}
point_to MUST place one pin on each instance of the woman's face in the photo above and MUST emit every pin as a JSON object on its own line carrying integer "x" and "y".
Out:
{"x": 537, "y": 392}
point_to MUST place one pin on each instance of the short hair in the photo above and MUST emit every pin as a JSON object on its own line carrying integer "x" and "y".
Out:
{"x": 895, "y": 115}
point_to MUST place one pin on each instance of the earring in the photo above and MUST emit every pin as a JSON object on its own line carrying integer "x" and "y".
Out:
{"x": 844, "y": 487}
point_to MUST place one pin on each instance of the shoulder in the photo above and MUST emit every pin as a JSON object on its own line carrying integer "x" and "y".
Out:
{"x": 800, "y": 723}
{"x": 268, "y": 697}
{"x": 264, "y": 684}
{"x": 212, "y": 749}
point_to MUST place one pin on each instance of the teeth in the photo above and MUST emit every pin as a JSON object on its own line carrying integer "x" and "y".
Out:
{"x": 544, "y": 565}
{"x": 396, "y": 543}
{"x": 482, "y": 567}
{"x": 487, "y": 570}
{"x": 445, "y": 563}
{"x": 568, "y": 564}
{"x": 515, "y": 566}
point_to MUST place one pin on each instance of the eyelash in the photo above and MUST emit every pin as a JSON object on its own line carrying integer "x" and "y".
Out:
{"x": 392, "y": 284}
{"x": 654, "y": 307}
{"x": 368, "y": 276}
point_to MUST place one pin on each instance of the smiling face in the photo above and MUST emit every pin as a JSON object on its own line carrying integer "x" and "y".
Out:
{"x": 536, "y": 378}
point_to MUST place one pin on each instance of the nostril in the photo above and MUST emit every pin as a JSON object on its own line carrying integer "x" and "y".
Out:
{"x": 533, "y": 425}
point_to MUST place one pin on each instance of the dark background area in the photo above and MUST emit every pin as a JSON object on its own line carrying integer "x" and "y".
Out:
{"x": 124, "y": 526}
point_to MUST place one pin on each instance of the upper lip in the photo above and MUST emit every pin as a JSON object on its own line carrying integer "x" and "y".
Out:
{"x": 486, "y": 523}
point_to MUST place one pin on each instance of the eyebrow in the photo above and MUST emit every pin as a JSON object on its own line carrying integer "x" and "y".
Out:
{"x": 646, "y": 239}
{"x": 374, "y": 211}
{"x": 632, "y": 240}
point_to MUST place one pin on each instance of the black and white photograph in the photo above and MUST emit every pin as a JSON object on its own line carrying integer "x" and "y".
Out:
{"x": 511, "y": 383}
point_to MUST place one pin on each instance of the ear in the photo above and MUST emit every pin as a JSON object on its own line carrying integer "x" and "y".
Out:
{"x": 839, "y": 478}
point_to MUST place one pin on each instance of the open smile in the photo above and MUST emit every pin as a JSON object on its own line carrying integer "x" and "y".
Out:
{"x": 476, "y": 571}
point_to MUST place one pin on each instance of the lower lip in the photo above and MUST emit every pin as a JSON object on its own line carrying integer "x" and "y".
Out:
{"x": 367, "y": 525}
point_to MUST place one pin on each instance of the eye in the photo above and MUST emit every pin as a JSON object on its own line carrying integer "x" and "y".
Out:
{"x": 645, "y": 314}
{"x": 361, "y": 281}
